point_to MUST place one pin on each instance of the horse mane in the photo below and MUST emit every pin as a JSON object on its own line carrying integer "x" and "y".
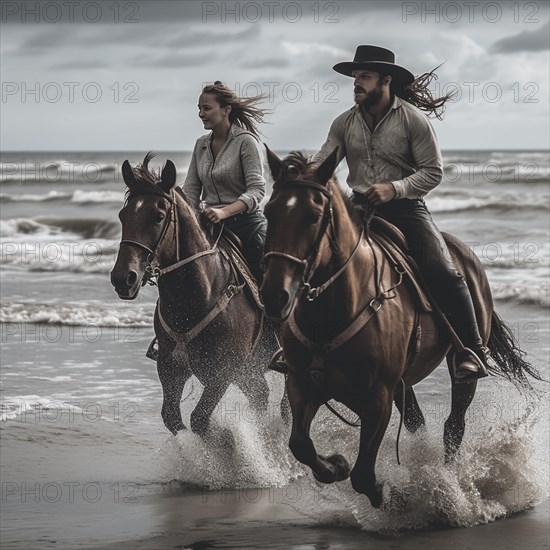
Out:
{"x": 146, "y": 180}
{"x": 306, "y": 167}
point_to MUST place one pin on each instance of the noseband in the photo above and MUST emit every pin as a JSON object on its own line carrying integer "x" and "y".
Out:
{"x": 153, "y": 271}
{"x": 308, "y": 263}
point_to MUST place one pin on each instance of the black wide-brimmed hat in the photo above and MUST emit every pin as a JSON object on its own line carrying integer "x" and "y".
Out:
{"x": 375, "y": 58}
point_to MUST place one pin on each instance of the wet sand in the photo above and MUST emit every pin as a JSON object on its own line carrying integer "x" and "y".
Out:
{"x": 81, "y": 484}
{"x": 528, "y": 531}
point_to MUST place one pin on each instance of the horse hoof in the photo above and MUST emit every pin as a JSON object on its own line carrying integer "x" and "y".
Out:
{"x": 175, "y": 428}
{"x": 373, "y": 492}
{"x": 175, "y": 425}
{"x": 341, "y": 465}
{"x": 337, "y": 469}
{"x": 375, "y": 496}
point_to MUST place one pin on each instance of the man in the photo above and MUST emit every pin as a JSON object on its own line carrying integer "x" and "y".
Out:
{"x": 394, "y": 160}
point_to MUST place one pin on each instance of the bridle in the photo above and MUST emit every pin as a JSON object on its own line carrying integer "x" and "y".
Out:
{"x": 152, "y": 270}
{"x": 309, "y": 262}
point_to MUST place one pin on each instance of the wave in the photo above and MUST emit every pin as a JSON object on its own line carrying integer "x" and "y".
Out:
{"x": 87, "y": 227}
{"x": 77, "y": 197}
{"x": 59, "y": 171}
{"x": 78, "y": 314}
{"x": 60, "y": 257}
{"x": 446, "y": 204}
{"x": 65, "y": 172}
{"x": 45, "y": 226}
{"x": 50, "y": 196}
{"x": 89, "y": 197}
{"x": 522, "y": 293}
{"x": 12, "y": 407}
{"x": 521, "y": 174}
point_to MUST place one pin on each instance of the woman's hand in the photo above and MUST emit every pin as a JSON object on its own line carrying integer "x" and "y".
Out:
{"x": 215, "y": 215}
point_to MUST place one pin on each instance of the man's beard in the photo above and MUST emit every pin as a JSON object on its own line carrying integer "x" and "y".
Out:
{"x": 372, "y": 98}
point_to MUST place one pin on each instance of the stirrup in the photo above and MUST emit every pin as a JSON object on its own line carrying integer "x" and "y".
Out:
{"x": 278, "y": 363}
{"x": 467, "y": 366}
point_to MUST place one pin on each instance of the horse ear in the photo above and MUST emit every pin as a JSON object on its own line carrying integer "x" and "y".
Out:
{"x": 275, "y": 163}
{"x": 168, "y": 177}
{"x": 326, "y": 168}
{"x": 128, "y": 173}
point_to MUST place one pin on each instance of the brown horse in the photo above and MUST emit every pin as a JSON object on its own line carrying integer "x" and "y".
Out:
{"x": 355, "y": 330}
{"x": 207, "y": 321}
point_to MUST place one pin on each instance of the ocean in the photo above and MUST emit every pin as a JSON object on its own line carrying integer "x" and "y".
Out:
{"x": 87, "y": 462}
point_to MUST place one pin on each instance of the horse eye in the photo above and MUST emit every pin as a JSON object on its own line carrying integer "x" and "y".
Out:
{"x": 159, "y": 217}
{"x": 314, "y": 218}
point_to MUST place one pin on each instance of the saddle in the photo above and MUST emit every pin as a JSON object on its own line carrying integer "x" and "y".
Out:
{"x": 393, "y": 244}
{"x": 231, "y": 247}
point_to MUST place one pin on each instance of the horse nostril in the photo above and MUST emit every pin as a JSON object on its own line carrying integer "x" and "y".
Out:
{"x": 284, "y": 298}
{"x": 131, "y": 278}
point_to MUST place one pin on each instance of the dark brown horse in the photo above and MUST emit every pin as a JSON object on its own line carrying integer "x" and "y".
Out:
{"x": 207, "y": 322}
{"x": 356, "y": 329}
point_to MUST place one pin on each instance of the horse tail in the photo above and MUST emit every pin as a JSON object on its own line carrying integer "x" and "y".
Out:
{"x": 508, "y": 356}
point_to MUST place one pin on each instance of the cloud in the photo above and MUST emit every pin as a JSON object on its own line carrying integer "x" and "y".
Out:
{"x": 78, "y": 64}
{"x": 312, "y": 48}
{"x": 531, "y": 41}
{"x": 44, "y": 42}
{"x": 207, "y": 38}
{"x": 276, "y": 63}
{"x": 170, "y": 60}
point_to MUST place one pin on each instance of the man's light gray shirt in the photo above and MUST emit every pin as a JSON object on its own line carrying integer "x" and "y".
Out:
{"x": 402, "y": 150}
{"x": 236, "y": 173}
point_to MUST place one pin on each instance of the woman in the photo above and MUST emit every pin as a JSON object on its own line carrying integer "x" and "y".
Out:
{"x": 226, "y": 171}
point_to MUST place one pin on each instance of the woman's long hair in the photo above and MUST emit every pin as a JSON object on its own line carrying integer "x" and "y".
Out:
{"x": 418, "y": 94}
{"x": 244, "y": 110}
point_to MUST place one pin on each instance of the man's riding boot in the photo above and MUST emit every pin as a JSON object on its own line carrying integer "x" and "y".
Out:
{"x": 472, "y": 362}
{"x": 469, "y": 365}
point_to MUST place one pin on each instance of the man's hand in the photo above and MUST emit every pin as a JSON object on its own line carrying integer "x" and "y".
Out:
{"x": 215, "y": 215}
{"x": 380, "y": 193}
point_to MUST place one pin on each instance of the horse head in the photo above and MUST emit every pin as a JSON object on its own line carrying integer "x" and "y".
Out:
{"x": 146, "y": 224}
{"x": 298, "y": 213}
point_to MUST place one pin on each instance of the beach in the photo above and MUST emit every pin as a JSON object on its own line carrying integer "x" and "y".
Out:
{"x": 86, "y": 461}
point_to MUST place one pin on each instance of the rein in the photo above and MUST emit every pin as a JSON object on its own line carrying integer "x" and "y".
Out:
{"x": 308, "y": 263}
{"x": 153, "y": 271}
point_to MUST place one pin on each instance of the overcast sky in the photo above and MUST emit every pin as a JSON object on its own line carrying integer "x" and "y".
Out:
{"x": 127, "y": 75}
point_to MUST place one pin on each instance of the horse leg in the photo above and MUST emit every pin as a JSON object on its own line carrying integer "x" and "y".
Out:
{"x": 413, "y": 417}
{"x": 374, "y": 421}
{"x": 211, "y": 395}
{"x": 256, "y": 391}
{"x": 462, "y": 395}
{"x": 172, "y": 376}
{"x": 304, "y": 406}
